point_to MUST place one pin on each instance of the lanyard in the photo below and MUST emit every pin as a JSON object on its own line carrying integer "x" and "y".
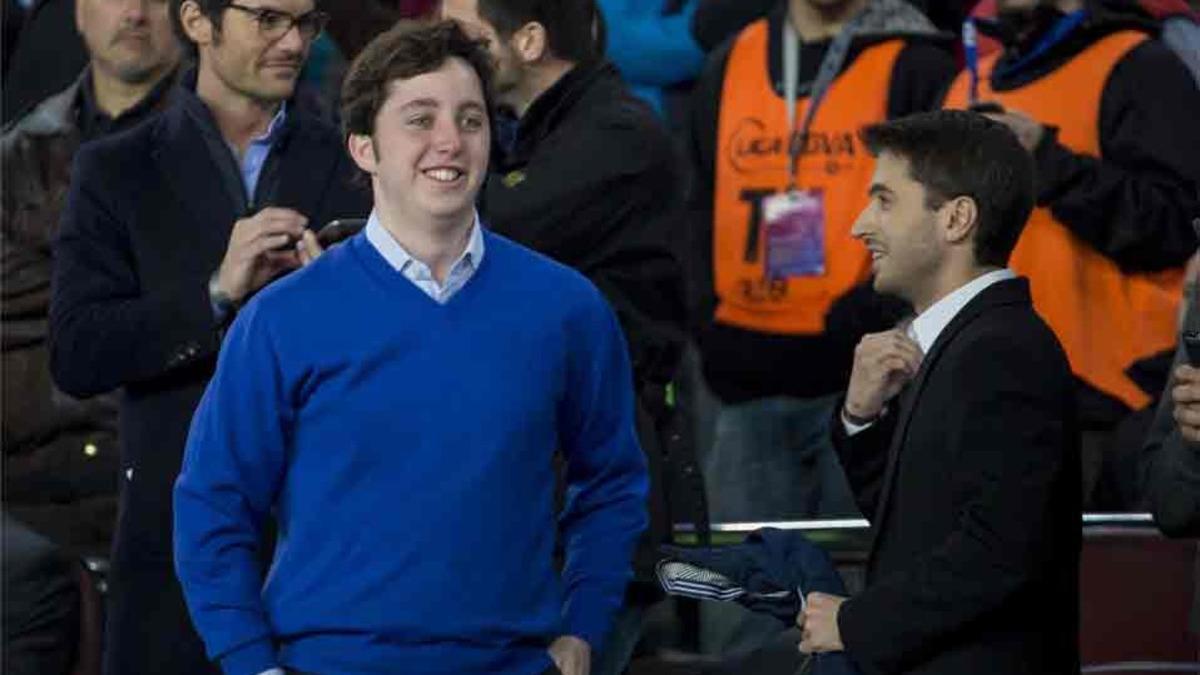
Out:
{"x": 970, "y": 39}
{"x": 831, "y": 66}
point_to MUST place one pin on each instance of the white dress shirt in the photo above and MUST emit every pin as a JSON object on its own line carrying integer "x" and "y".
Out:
{"x": 925, "y": 329}
{"x": 418, "y": 272}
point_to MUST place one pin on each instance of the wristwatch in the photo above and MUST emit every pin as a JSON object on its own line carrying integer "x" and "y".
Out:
{"x": 223, "y": 306}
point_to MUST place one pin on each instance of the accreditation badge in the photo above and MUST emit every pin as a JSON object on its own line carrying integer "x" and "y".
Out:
{"x": 794, "y": 222}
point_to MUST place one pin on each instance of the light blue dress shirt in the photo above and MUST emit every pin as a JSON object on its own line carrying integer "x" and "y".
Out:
{"x": 418, "y": 272}
{"x": 257, "y": 152}
{"x": 252, "y": 165}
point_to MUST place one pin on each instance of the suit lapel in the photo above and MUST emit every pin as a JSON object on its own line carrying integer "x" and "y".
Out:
{"x": 306, "y": 162}
{"x": 1001, "y": 293}
{"x": 188, "y": 169}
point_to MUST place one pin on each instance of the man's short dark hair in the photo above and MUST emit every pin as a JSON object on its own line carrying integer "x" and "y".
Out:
{"x": 405, "y": 51}
{"x": 571, "y": 25}
{"x": 954, "y": 153}
{"x": 213, "y": 9}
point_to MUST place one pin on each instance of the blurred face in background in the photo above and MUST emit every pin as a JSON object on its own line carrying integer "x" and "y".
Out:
{"x": 129, "y": 40}
{"x": 508, "y": 72}
{"x": 258, "y": 47}
{"x": 1023, "y": 15}
{"x": 828, "y": 5}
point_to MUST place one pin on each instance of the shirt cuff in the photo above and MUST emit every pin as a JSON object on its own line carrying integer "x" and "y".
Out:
{"x": 853, "y": 429}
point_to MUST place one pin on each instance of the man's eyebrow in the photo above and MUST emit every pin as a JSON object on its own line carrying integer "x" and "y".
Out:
{"x": 420, "y": 103}
{"x": 878, "y": 188}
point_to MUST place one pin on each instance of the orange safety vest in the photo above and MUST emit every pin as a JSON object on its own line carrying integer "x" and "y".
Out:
{"x": 1107, "y": 320}
{"x": 752, "y": 163}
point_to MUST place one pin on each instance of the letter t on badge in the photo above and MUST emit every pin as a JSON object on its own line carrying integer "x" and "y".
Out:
{"x": 795, "y": 228}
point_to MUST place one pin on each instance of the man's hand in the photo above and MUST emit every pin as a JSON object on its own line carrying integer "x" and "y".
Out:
{"x": 883, "y": 364}
{"x": 308, "y": 248}
{"x": 571, "y": 655}
{"x": 1186, "y": 394}
{"x": 260, "y": 248}
{"x": 819, "y": 624}
{"x": 1028, "y": 130}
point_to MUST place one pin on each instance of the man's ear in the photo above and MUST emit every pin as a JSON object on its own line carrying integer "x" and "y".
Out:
{"x": 198, "y": 27}
{"x": 960, "y": 217}
{"x": 362, "y": 151}
{"x": 530, "y": 42}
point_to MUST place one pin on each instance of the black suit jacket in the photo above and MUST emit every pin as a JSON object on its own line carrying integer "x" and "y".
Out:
{"x": 147, "y": 222}
{"x": 599, "y": 191}
{"x": 973, "y": 480}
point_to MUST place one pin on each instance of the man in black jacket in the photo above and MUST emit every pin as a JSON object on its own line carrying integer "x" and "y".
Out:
{"x": 61, "y": 460}
{"x": 958, "y": 431}
{"x": 1108, "y": 113}
{"x": 589, "y": 178}
{"x": 169, "y": 228}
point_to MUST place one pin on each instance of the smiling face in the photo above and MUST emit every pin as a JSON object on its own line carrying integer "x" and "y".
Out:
{"x": 901, "y": 232}
{"x": 243, "y": 60}
{"x": 130, "y": 40}
{"x": 428, "y": 155}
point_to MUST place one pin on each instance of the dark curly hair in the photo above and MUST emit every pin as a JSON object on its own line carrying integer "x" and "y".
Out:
{"x": 213, "y": 9}
{"x": 405, "y": 51}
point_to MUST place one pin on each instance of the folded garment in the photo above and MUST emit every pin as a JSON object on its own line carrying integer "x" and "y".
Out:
{"x": 686, "y": 579}
{"x": 770, "y": 572}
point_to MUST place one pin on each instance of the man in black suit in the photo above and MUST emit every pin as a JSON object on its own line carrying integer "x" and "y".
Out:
{"x": 958, "y": 431}
{"x": 169, "y": 228}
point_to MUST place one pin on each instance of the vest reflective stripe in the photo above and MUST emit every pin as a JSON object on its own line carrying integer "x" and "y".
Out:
{"x": 752, "y": 162}
{"x": 1106, "y": 320}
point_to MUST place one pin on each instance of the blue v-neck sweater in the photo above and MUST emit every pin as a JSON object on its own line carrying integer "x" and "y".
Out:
{"x": 405, "y": 449}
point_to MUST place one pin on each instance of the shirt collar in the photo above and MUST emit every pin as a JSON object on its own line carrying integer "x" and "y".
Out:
{"x": 95, "y": 122}
{"x": 401, "y": 260}
{"x": 548, "y": 110}
{"x": 195, "y": 107}
{"x": 926, "y": 328}
{"x": 274, "y": 129}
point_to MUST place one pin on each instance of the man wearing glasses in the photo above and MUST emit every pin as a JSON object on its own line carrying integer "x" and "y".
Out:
{"x": 169, "y": 229}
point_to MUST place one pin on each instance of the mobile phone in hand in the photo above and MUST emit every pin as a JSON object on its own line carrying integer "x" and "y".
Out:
{"x": 987, "y": 108}
{"x": 1191, "y": 346}
{"x": 339, "y": 230}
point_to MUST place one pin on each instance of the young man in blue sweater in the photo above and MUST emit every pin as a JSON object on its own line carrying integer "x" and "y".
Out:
{"x": 396, "y": 407}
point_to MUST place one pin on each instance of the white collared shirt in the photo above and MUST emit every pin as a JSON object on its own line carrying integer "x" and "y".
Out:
{"x": 925, "y": 329}
{"x": 418, "y": 272}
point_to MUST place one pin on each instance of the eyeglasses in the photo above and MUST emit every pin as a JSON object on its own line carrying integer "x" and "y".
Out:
{"x": 274, "y": 24}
